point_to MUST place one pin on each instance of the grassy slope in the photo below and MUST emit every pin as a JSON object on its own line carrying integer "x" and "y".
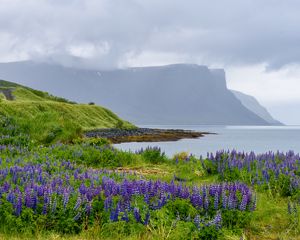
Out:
{"x": 43, "y": 114}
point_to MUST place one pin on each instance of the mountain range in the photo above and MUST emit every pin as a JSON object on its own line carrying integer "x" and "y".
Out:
{"x": 172, "y": 94}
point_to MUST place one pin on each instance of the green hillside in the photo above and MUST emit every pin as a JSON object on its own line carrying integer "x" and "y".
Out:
{"x": 47, "y": 118}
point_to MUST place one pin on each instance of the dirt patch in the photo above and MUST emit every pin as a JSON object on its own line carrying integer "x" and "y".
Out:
{"x": 142, "y": 171}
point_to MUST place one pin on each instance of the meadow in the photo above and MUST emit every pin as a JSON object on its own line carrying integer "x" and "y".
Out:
{"x": 86, "y": 189}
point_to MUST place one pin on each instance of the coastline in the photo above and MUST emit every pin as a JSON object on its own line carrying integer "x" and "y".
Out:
{"x": 144, "y": 134}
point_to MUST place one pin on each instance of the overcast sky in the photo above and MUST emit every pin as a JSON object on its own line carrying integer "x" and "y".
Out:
{"x": 256, "y": 41}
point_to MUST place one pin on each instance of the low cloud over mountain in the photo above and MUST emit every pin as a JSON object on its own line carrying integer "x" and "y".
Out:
{"x": 172, "y": 94}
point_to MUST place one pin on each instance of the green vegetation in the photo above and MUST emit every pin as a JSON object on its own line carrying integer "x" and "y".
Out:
{"x": 87, "y": 189}
{"x": 2, "y": 97}
{"x": 47, "y": 118}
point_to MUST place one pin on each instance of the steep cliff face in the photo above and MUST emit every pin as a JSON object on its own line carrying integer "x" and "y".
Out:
{"x": 172, "y": 94}
{"x": 254, "y": 106}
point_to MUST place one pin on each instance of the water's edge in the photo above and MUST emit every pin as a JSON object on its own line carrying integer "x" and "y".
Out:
{"x": 116, "y": 135}
{"x": 243, "y": 138}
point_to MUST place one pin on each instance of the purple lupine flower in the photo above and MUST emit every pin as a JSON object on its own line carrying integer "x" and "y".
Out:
{"x": 78, "y": 203}
{"x": 6, "y": 187}
{"x": 197, "y": 221}
{"x": 196, "y": 199}
{"x": 89, "y": 194}
{"x": 218, "y": 220}
{"x": 44, "y": 212}
{"x": 213, "y": 190}
{"x": 34, "y": 200}
{"x": 137, "y": 214}
{"x": 162, "y": 202}
{"x": 125, "y": 217}
{"x": 224, "y": 200}
{"x": 82, "y": 189}
{"x": 147, "y": 218}
{"x": 147, "y": 198}
{"x": 114, "y": 214}
{"x": 216, "y": 201}
{"x": 28, "y": 199}
{"x": 11, "y": 197}
{"x": 88, "y": 208}
{"x": 77, "y": 216}
{"x": 66, "y": 196}
{"x": 206, "y": 202}
{"x": 107, "y": 203}
{"x": 244, "y": 202}
{"x": 19, "y": 204}
{"x": 231, "y": 201}
{"x": 46, "y": 201}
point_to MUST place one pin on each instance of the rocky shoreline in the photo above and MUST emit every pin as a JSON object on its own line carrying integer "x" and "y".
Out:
{"x": 143, "y": 134}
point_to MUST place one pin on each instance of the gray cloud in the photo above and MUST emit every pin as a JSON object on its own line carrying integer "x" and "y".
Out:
{"x": 109, "y": 33}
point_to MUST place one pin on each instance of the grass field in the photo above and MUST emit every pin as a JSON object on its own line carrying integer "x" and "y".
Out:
{"x": 79, "y": 188}
{"x": 89, "y": 190}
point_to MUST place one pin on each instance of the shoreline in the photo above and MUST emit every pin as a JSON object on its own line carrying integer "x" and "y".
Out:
{"x": 144, "y": 134}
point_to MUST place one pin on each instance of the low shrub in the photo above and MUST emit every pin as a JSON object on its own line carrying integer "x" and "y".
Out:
{"x": 153, "y": 155}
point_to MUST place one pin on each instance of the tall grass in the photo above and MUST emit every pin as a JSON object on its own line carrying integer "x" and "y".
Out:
{"x": 48, "y": 119}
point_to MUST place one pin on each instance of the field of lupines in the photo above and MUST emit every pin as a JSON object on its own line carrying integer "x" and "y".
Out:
{"x": 278, "y": 172}
{"x": 88, "y": 189}
{"x": 59, "y": 195}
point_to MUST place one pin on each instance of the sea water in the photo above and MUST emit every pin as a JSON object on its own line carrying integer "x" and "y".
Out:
{"x": 242, "y": 138}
